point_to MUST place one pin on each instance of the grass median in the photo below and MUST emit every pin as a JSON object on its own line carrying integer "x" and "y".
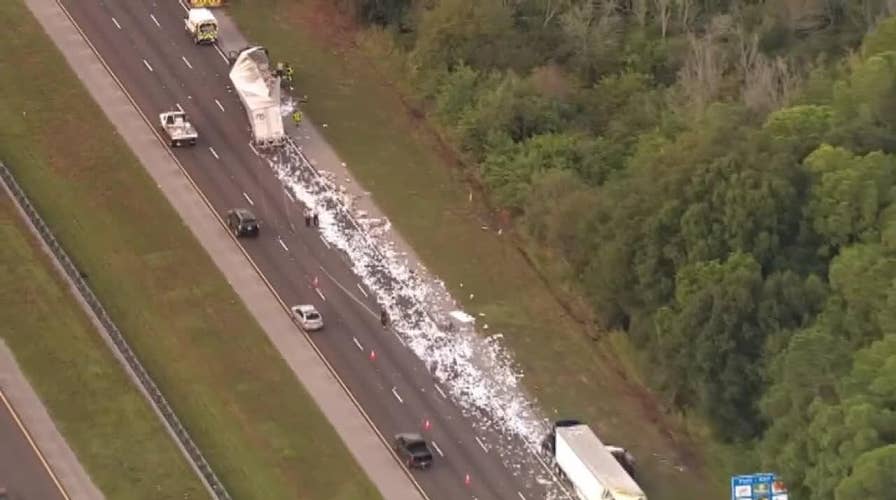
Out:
{"x": 254, "y": 421}
{"x": 99, "y": 411}
{"x": 351, "y": 89}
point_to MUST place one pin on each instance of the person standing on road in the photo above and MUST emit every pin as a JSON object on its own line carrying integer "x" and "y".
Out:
{"x": 315, "y": 218}
{"x": 297, "y": 117}
{"x": 307, "y": 217}
{"x": 384, "y": 318}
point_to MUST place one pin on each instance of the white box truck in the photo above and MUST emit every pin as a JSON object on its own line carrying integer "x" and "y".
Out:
{"x": 202, "y": 26}
{"x": 589, "y": 466}
{"x": 259, "y": 91}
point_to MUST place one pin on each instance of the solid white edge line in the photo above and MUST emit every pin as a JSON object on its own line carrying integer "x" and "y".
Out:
{"x": 440, "y": 391}
{"x": 400, "y": 340}
{"x": 155, "y": 20}
{"x": 320, "y": 294}
{"x": 280, "y": 240}
{"x": 184, "y": 59}
{"x": 214, "y": 153}
{"x": 360, "y": 347}
{"x": 289, "y": 195}
{"x": 221, "y": 107}
{"x": 187, "y": 9}
{"x": 362, "y": 289}
{"x": 438, "y": 450}
{"x": 246, "y": 196}
{"x": 115, "y": 22}
{"x": 395, "y": 393}
{"x": 252, "y": 147}
{"x": 325, "y": 242}
{"x": 481, "y": 444}
{"x": 146, "y": 63}
{"x": 33, "y": 445}
{"x": 222, "y": 54}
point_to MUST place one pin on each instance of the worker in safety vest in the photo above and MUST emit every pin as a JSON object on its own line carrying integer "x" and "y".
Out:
{"x": 289, "y": 72}
{"x": 297, "y": 117}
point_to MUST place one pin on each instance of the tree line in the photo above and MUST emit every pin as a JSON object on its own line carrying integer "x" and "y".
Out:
{"x": 719, "y": 176}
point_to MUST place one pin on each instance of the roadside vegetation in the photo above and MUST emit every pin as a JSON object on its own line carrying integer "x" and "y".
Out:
{"x": 100, "y": 412}
{"x": 714, "y": 179}
{"x": 257, "y": 426}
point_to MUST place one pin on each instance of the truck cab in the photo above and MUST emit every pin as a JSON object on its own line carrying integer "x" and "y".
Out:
{"x": 202, "y": 26}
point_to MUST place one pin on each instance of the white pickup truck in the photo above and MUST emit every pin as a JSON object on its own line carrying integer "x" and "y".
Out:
{"x": 178, "y": 128}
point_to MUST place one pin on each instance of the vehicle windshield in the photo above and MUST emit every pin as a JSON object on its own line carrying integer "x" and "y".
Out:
{"x": 418, "y": 448}
{"x": 312, "y": 316}
{"x": 207, "y": 28}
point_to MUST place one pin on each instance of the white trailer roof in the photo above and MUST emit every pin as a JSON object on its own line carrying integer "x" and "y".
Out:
{"x": 599, "y": 461}
{"x": 252, "y": 77}
{"x": 259, "y": 91}
{"x": 199, "y": 16}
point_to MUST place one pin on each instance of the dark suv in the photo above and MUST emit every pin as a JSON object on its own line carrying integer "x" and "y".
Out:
{"x": 242, "y": 222}
{"x": 412, "y": 448}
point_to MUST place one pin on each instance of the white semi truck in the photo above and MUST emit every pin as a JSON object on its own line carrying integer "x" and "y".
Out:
{"x": 593, "y": 470}
{"x": 259, "y": 90}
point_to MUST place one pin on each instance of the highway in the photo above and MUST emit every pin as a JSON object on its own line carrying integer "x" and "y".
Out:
{"x": 22, "y": 472}
{"x": 145, "y": 46}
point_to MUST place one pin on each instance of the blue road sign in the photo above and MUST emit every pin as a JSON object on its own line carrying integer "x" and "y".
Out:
{"x": 762, "y": 486}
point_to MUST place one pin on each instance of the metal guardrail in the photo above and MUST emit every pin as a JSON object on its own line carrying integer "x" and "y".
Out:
{"x": 124, "y": 349}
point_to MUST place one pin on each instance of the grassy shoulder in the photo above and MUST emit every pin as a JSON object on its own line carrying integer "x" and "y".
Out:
{"x": 107, "y": 422}
{"x": 257, "y": 425}
{"x": 389, "y": 151}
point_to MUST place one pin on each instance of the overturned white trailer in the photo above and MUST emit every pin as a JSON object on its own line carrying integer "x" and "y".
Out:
{"x": 259, "y": 91}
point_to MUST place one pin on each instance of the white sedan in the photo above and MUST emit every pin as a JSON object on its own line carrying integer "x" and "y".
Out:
{"x": 307, "y": 317}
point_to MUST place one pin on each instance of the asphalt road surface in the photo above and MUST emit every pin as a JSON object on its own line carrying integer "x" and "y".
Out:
{"x": 145, "y": 46}
{"x": 21, "y": 471}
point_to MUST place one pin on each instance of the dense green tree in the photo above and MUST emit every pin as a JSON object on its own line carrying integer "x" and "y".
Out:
{"x": 848, "y": 193}
{"x": 715, "y": 328}
{"x": 802, "y": 377}
{"x": 872, "y": 476}
{"x": 861, "y": 278}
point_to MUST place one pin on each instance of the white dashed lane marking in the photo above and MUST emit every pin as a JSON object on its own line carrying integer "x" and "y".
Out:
{"x": 115, "y": 22}
{"x": 146, "y": 63}
{"x": 395, "y": 393}
{"x": 246, "y": 196}
{"x": 481, "y": 445}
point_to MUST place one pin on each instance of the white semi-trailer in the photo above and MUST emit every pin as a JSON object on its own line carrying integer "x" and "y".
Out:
{"x": 590, "y": 466}
{"x": 259, "y": 91}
